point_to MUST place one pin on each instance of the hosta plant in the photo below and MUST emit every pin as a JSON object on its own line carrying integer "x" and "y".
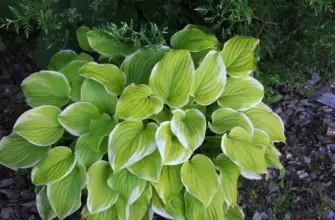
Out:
{"x": 166, "y": 130}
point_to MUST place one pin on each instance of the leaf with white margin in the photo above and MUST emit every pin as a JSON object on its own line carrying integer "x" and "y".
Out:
{"x": 170, "y": 148}
{"x": 209, "y": 79}
{"x": 129, "y": 142}
{"x": 225, "y": 119}
{"x": 82, "y": 38}
{"x": 100, "y": 195}
{"x": 109, "y": 214}
{"x": 84, "y": 56}
{"x": 95, "y": 93}
{"x": 239, "y": 57}
{"x": 122, "y": 208}
{"x": 239, "y": 148}
{"x": 61, "y": 59}
{"x": 173, "y": 209}
{"x": 40, "y": 125}
{"x": 265, "y": 119}
{"x": 164, "y": 187}
{"x": 229, "y": 174}
{"x": 46, "y": 88}
{"x": 76, "y": 117}
{"x": 127, "y": 184}
{"x": 200, "y": 179}
{"x": 138, "y": 209}
{"x": 108, "y": 75}
{"x": 58, "y": 163}
{"x": 233, "y": 213}
{"x": 42, "y": 203}
{"x": 138, "y": 65}
{"x": 164, "y": 115}
{"x": 65, "y": 194}
{"x": 16, "y": 152}
{"x": 241, "y": 94}
{"x": 137, "y": 103}
{"x": 149, "y": 215}
{"x": 71, "y": 71}
{"x": 190, "y": 127}
{"x": 149, "y": 168}
{"x": 171, "y": 78}
{"x": 193, "y": 39}
{"x": 85, "y": 155}
{"x": 196, "y": 210}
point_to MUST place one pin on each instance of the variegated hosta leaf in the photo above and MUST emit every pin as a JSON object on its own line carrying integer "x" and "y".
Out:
{"x": 85, "y": 155}
{"x": 170, "y": 148}
{"x": 233, "y": 213}
{"x": 192, "y": 105}
{"x": 95, "y": 93}
{"x": 209, "y": 79}
{"x": 171, "y": 78}
{"x": 264, "y": 119}
{"x": 197, "y": 210}
{"x": 71, "y": 71}
{"x": 138, "y": 65}
{"x": 109, "y": 214}
{"x": 43, "y": 205}
{"x": 164, "y": 115}
{"x": 129, "y": 142}
{"x": 193, "y": 39}
{"x": 105, "y": 44}
{"x": 108, "y": 75}
{"x": 76, "y": 117}
{"x": 122, "y": 208}
{"x": 225, "y": 119}
{"x": 127, "y": 185}
{"x": 173, "y": 209}
{"x": 58, "y": 163}
{"x": 200, "y": 179}
{"x": 100, "y": 196}
{"x": 241, "y": 94}
{"x": 16, "y": 152}
{"x": 149, "y": 215}
{"x": 138, "y": 209}
{"x": 229, "y": 174}
{"x": 238, "y": 56}
{"x": 46, "y": 88}
{"x": 149, "y": 168}
{"x": 65, "y": 194}
{"x": 84, "y": 56}
{"x": 40, "y": 125}
{"x": 164, "y": 188}
{"x": 239, "y": 148}
{"x": 190, "y": 127}
{"x": 82, "y": 38}
{"x": 137, "y": 103}
{"x": 61, "y": 59}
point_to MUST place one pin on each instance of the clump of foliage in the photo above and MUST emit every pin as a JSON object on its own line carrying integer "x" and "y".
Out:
{"x": 168, "y": 131}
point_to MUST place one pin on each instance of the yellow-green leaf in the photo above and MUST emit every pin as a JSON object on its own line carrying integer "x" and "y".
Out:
{"x": 43, "y": 205}
{"x": 82, "y": 38}
{"x": 86, "y": 155}
{"x": 61, "y": 59}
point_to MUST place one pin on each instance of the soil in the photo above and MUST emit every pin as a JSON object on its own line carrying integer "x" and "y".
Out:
{"x": 306, "y": 192}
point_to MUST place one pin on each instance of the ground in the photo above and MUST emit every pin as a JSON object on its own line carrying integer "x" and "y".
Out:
{"x": 306, "y": 192}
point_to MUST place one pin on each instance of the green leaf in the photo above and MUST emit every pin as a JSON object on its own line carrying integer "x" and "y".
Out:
{"x": 209, "y": 79}
{"x": 170, "y": 148}
{"x": 84, "y": 111}
{"x": 238, "y": 56}
{"x": 82, "y": 38}
{"x": 239, "y": 148}
{"x": 61, "y": 59}
{"x": 264, "y": 119}
{"x": 229, "y": 174}
{"x": 85, "y": 155}
{"x": 190, "y": 127}
{"x": 65, "y": 195}
{"x": 173, "y": 209}
{"x": 100, "y": 196}
{"x": 164, "y": 187}
{"x": 138, "y": 65}
{"x": 171, "y": 78}
{"x": 58, "y": 163}
{"x": 43, "y": 205}
{"x": 127, "y": 184}
{"x": 149, "y": 215}
{"x": 149, "y": 168}
{"x": 109, "y": 214}
{"x": 164, "y": 115}
{"x": 122, "y": 208}
{"x": 138, "y": 209}
{"x": 95, "y": 93}
{"x": 71, "y": 71}
{"x": 46, "y": 88}
{"x": 106, "y": 44}
{"x": 241, "y": 94}
{"x": 83, "y": 57}
{"x": 137, "y": 103}
{"x": 108, "y": 75}
{"x": 233, "y": 213}
{"x": 16, "y": 152}
{"x": 200, "y": 179}
{"x": 193, "y": 39}
{"x": 40, "y": 126}
{"x": 225, "y": 119}
{"x": 129, "y": 142}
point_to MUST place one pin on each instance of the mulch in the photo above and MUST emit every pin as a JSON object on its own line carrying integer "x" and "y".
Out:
{"x": 306, "y": 192}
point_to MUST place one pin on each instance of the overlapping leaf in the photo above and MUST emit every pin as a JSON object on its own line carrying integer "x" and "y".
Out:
{"x": 82, "y": 38}
{"x": 61, "y": 59}
{"x": 85, "y": 154}
{"x": 173, "y": 209}
{"x": 43, "y": 205}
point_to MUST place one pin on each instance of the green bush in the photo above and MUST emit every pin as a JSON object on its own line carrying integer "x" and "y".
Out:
{"x": 164, "y": 130}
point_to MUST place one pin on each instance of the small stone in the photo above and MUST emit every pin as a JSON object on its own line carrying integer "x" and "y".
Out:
{"x": 302, "y": 176}
{"x": 329, "y": 214}
{"x": 307, "y": 159}
{"x": 288, "y": 156}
